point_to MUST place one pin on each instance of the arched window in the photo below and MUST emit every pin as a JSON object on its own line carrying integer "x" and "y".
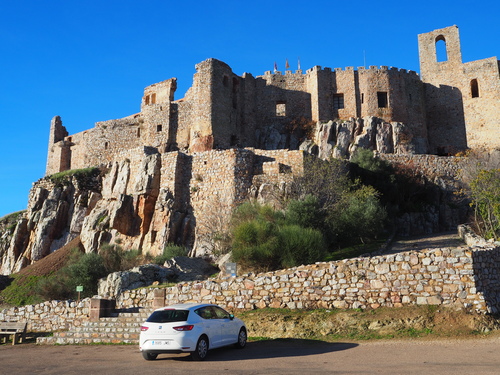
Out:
{"x": 474, "y": 88}
{"x": 441, "y": 54}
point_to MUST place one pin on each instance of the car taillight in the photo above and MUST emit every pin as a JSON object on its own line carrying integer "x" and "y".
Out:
{"x": 184, "y": 328}
{"x": 144, "y": 328}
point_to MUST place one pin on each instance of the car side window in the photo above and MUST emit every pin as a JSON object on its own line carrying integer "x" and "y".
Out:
{"x": 221, "y": 313}
{"x": 206, "y": 313}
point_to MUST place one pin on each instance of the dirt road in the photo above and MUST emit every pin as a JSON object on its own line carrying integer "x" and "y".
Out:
{"x": 474, "y": 356}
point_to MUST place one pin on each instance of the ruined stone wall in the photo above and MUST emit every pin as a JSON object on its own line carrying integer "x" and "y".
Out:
{"x": 462, "y": 100}
{"x": 280, "y": 99}
{"x": 156, "y": 124}
{"x": 432, "y": 166}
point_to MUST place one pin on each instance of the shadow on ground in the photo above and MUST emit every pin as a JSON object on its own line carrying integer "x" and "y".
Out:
{"x": 278, "y": 348}
{"x": 417, "y": 243}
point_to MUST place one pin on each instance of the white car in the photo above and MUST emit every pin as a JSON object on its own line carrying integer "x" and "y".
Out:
{"x": 193, "y": 328}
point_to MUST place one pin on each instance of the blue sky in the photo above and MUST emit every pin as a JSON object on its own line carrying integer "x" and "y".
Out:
{"x": 89, "y": 61}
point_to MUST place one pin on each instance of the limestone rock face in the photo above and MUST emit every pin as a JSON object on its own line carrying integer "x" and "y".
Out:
{"x": 177, "y": 268}
{"x": 117, "y": 282}
{"x": 340, "y": 139}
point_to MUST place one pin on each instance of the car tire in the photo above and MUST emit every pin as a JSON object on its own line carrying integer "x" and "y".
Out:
{"x": 201, "y": 350}
{"x": 148, "y": 356}
{"x": 242, "y": 339}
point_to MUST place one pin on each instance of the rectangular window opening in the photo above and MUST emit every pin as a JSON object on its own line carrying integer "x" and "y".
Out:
{"x": 159, "y": 128}
{"x": 338, "y": 101}
{"x": 281, "y": 109}
{"x": 382, "y": 99}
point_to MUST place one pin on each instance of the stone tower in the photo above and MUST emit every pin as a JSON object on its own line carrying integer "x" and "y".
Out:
{"x": 462, "y": 99}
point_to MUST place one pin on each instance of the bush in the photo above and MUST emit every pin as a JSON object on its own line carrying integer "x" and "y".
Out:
{"x": 306, "y": 213}
{"x": 63, "y": 178}
{"x": 300, "y": 245}
{"x": 485, "y": 194}
{"x": 171, "y": 251}
{"x": 116, "y": 259}
{"x": 264, "y": 240}
{"x": 358, "y": 217}
{"x": 82, "y": 270}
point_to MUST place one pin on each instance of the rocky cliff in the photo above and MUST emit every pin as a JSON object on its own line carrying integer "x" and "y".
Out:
{"x": 143, "y": 201}
{"x": 144, "y": 198}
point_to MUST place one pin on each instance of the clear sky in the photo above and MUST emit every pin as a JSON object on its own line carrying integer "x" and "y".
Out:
{"x": 89, "y": 61}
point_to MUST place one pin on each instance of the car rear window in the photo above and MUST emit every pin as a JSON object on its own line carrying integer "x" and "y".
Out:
{"x": 166, "y": 316}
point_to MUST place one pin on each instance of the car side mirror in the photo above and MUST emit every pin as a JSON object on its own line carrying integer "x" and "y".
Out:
{"x": 231, "y": 316}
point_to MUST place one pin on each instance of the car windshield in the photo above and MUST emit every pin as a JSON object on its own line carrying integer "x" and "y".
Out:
{"x": 166, "y": 316}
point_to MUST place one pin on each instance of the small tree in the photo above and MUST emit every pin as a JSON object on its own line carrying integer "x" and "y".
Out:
{"x": 485, "y": 194}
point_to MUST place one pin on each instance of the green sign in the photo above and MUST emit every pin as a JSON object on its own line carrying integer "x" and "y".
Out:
{"x": 79, "y": 288}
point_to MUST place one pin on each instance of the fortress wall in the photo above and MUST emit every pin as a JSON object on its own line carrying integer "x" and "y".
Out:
{"x": 293, "y": 159}
{"x": 281, "y": 99}
{"x": 371, "y": 82}
{"x": 345, "y": 82}
{"x": 482, "y": 112}
{"x": 155, "y": 127}
{"x": 247, "y": 127}
{"x": 183, "y": 112}
{"x": 219, "y": 180}
{"x": 458, "y": 116}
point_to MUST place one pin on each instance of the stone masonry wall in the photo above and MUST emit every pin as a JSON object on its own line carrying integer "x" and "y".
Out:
{"x": 462, "y": 98}
{"x": 464, "y": 277}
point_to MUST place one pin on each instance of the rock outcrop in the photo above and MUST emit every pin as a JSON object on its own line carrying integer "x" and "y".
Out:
{"x": 339, "y": 139}
{"x": 175, "y": 269}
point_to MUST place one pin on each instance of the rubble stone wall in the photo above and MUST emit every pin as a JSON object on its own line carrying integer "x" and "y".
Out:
{"x": 464, "y": 277}
{"x": 460, "y": 277}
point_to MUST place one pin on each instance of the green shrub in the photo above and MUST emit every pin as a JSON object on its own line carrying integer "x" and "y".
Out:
{"x": 485, "y": 194}
{"x": 306, "y": 213}
{"x": 171, "y": 251}
{"x": 300, "y": 245}
{"x": 116, "y": 259}
{"x": 82, "y": 270}
{"x": 62, "y": 178}
{"x": 358, "y": 217}
{"x": 264, "y": 239}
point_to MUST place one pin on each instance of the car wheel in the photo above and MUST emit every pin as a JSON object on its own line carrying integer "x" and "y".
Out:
{"x": 242, "y": 339}
{"x": 149, "y": 356}
{"x": 201, "y": 350}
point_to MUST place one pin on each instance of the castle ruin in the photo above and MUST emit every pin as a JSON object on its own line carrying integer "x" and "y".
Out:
{"x": 452, "y": 106}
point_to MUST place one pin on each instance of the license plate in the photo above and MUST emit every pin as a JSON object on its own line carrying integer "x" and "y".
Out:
{"x": 160, "y": 342}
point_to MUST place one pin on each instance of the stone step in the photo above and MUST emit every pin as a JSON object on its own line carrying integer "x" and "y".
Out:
{"x": 82, "y": 341}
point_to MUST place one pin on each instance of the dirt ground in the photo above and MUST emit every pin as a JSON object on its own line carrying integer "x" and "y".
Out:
{"x": 477, "y": 356}
{"x": 447, "y": 239}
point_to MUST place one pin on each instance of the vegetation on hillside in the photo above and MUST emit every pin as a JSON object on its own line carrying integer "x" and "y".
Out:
{"x": 328, "y": 210}
{"x": 62, "y": 178}
{"x": 485, "y": 194}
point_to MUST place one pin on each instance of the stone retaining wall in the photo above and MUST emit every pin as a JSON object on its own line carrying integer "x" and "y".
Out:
{"x": 461, "y": 277}
{"x": 464, "y": 277}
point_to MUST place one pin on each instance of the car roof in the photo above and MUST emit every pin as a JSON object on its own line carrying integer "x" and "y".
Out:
{"x": 185, "y": 306}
